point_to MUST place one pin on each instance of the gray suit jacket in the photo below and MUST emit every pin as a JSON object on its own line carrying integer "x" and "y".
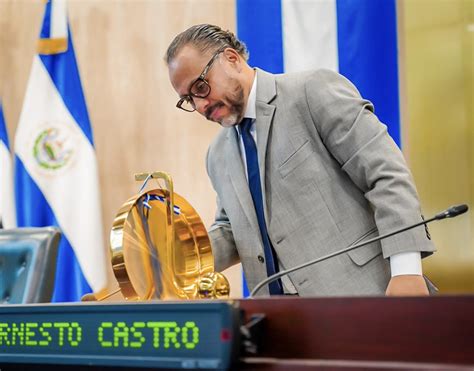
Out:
{"x": 332, "y": 177}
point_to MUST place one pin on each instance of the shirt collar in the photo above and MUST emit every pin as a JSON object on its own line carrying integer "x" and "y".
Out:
{"x": 251, "y": 110}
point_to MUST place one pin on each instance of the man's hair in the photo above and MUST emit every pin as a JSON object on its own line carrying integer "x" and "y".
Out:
{"x": 205, "y": 37}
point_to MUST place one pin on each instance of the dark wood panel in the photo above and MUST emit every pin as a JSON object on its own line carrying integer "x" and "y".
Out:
{"x": 438, "y": 330}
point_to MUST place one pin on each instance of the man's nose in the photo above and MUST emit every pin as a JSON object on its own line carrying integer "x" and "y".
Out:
{"x": 201, "y": 104}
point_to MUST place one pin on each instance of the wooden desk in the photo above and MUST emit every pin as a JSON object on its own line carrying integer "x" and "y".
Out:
{"x": 364, "y": 333}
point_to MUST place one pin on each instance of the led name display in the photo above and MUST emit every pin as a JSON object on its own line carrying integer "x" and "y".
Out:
{"x": 168, "y": 335}
{"x": 109, "y": 334}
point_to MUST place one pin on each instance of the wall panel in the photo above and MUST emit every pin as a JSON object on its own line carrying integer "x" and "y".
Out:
{"x": 119, "y": 47}
{"x": 438, "y": 126}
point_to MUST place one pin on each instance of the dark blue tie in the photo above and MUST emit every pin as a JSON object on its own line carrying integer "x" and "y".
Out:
{"x": 256, "y": 191}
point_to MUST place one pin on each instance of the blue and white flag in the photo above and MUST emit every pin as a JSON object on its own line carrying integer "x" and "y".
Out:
{"x": 7, "y": 196}
{"x": 56, "y": 176}
{"x": 355, "y": 38}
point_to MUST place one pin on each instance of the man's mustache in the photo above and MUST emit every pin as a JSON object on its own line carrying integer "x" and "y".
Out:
{"x": 212, "y": 108}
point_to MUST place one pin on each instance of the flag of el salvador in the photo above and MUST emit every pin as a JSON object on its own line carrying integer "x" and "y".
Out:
{"x": 7, "y": 197}
{"x": 56, "y": 177}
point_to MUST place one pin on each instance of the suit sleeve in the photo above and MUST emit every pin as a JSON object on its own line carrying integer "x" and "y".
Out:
{"x": 221, "y": 236}
{"x": 360, "y": 143}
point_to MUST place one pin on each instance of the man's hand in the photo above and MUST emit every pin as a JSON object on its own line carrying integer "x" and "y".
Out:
{"x": 407, "y": 285}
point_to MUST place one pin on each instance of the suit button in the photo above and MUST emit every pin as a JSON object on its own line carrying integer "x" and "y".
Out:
{"x": 261, "y": 259}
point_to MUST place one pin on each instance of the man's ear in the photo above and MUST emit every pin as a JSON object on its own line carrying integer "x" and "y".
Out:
{"x": 233, "y": 57}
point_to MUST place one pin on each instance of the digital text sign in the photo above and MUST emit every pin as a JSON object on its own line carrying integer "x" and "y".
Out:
{"x": 109, "y": 334}
{"x": 164, "y": 334}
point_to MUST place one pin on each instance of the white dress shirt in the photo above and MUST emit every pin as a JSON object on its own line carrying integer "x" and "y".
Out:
{"x": 404, "y": 263}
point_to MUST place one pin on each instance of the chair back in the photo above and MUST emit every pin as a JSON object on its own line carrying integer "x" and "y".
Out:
{"x": 28, "y": 264}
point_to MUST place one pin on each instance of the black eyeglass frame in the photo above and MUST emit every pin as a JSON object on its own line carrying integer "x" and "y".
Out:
{"x": 201, "y": 78}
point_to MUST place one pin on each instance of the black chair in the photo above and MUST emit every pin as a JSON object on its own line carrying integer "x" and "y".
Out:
{"x": 28, "y": 264}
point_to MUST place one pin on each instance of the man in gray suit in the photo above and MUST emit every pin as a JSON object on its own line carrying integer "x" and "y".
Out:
{"x": 301, "y": 168}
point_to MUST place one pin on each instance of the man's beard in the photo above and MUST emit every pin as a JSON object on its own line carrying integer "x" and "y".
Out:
{"x": 236, "y": 108}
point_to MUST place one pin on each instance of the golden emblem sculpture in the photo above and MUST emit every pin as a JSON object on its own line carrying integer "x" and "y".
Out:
{"x": 161, "y": 249}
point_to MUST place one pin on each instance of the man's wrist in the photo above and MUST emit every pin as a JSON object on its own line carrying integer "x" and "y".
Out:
{"x": 407, "y": 285}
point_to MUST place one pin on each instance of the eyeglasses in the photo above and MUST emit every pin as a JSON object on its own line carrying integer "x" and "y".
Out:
{"x": 200, "y": 87}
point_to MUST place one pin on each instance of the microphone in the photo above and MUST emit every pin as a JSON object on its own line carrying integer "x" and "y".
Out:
{"x": 452, "y": 212}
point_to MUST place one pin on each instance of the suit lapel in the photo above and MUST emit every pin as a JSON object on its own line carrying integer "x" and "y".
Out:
{"x": 266, "y": 92}
{"x": 236, "y": 172}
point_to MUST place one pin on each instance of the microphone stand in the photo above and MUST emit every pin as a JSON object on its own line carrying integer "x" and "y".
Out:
{"x": 449, "y": 213}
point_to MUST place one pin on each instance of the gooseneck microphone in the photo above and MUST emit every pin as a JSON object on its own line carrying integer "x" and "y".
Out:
{"x": 452, "y": 212}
